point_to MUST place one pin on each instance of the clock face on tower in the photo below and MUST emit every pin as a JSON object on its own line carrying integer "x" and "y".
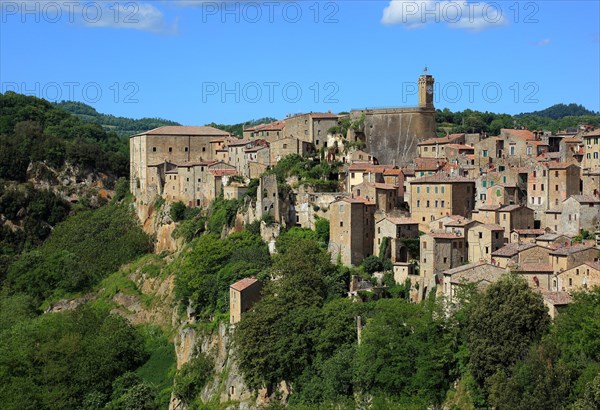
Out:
{"x": 429, "y": 89}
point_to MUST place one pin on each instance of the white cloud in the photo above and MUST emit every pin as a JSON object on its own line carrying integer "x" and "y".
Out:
{"x": 135, "y": 15}
{"x": 474, "y": 16}
{"x": 543, "y": 43}
{"x": 131, "y": 15}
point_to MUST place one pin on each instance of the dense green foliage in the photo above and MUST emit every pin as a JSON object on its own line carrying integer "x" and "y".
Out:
{"x": 212, "y": 264}
{"x": 61, "y": 360}
{"x": 319, "y": 174}
{"x": 120, "y": 125}
{"x": 32, "y": 129}
{"x": 192, "y": 377}
{"x": 562, "y": 370}
{"x": 503, "y": 325}
{"x": 79, "y": 253}
{"x": 553, "y": 119}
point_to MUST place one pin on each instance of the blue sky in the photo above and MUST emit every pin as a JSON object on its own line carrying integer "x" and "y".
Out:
{"x": 200, "y": 61}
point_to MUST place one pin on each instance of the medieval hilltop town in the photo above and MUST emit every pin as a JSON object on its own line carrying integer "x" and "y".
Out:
{"x": 478, "y": 206}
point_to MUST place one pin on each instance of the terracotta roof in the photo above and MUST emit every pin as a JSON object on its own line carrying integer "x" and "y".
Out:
{"x": 241, "y": 285}
{"x": 460, "y": 146}
{"x": 556, "y": 298}
{"x": 444, "y": 140}
{"x": 385, "y": 186}
{"x": 585, "y": 199}
{"x": 203, "y": 131}
{"x": 401, "y": 220}
{"x": 357, "y": 200}
{"x": 593, "y": 133}
{"x": 510, "y": 208}
{"x": 470, "y": 273}
{"x": 549, "y": 237}
{"x": 222, "y": 172}
{"x": 530, "y": 231}
{"x": 237, "y": 143}
{"x": 524, "y": 134}
{"x": 559, "y": 165}
{"x": 444, "y": 235}
{"x": 591, "y": 264}
{"x": 573, "y": 140}
{"x": 458, "y": 220}
{"x": 535, "y": 267}
{"x": 428, "y": 164}
{"x": 513, "y": 249}
{"x": 491, "y": 227}
{"x": 570, "y": 250}
{"x": 440, "y": 178}
{"x": 273, "y": 126}
{"x": 392, "y": 171}
{"x": 489, "y": 208}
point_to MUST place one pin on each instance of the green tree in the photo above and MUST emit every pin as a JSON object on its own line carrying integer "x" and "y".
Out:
{"x": 502, "y": 326}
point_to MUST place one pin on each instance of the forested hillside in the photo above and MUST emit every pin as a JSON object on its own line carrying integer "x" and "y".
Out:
{"x": 120, "y": 125}
{"x": 555, "y": 118}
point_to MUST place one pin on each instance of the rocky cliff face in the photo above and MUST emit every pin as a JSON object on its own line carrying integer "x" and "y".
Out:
{"x": 227, "y": 385}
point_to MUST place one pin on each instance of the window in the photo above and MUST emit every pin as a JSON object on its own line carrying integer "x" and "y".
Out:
{"x": 426, "y": 149}
{"x": 317, "y": 142}
{"x": 418, "y": 190}
{"x": 443, "y": 204}
{"x": 341, "y": 224}
{"x": 186, "y": 149}
{"x": 570, "y": 281}
{"x": 484, "y": 183}
{"x": 487, "y": 250}
{"x": 542, "y": 187}
{"x": 427, "y": 189}
{"x": 480, "y": 235}
{"x": 427, "y": 206}
{"x": 445, "y": 260}
{"x": 443, "y": 190}
{"x": 504, "y": 217}
{"x": 170, "y": 149}
{"x": 534, "y": 187}
{"x": 556, "y": 174}
{"x": 418, "y": 203}
{"x": 424, "y": 244}
{"x": 153, "y": 149}
{"x": 556, "y": 187}
{"x": 485, "y": 153}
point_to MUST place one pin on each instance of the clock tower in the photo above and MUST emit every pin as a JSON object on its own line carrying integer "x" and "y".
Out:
{"x": 426, "y": 91}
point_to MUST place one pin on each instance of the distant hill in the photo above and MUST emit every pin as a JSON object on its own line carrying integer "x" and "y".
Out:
{"x": 559, "y": 111}
{"x": 121, "y": 125}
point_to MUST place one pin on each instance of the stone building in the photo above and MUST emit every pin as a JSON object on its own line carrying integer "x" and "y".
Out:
{"x": 439, "y": 252}
{"x": 170, "y": 144}
{"x": 243, "y": 294}
{"x": 436, "y": 147}
{"x": 579, "y": 212}
{"x": 283, "y": 147}
{"x": 548, "y": 186}
{"x": 440, "y": 195}
{"x": 270, "y": 132}
{"x": 483, "y": 240}
{"x": 392, "y": 134}
{"x": 568, "y": 257}
{"x": 591, "y": 158}
{"x": 351, "y": 230}
{"x": 515, "y": 217}
{"x": 581, "y": 277}
{"x": 481, "y": 274}
{"x": 311, "y": 127}
{"x": 396, "y": 228}
{"x": 514, "y": 254}
{"x": 553, "y": 240}
{"x": 385, "y": 196}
